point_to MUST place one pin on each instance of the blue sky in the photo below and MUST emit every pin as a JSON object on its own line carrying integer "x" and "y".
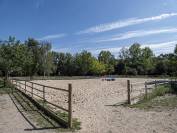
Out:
{"x": 93, "y": 25}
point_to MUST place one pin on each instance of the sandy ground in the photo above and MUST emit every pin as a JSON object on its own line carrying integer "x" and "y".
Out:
{"x": 11, "y": 120}
{"x": 92, "y": 100}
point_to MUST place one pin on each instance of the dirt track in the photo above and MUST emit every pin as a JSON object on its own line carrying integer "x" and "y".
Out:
{"x": 11, "y": 120}
{"x": 92, "y": 104}
{"x": 91, "y": 100}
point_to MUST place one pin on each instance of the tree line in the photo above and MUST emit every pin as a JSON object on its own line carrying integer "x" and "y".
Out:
{"x": 34, "y": 57}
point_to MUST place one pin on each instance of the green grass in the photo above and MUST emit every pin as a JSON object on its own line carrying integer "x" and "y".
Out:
{"x": 159, "y": 91}
{"x": 30, "y": 110}
{"x": 163, "y": 96}
{"x": 38, "y": 118}
{"x": 158, "y": 103}
{"x": 76, "y": 123}
{"x": 33, "y": 114}
{"x": 63, "y": 115}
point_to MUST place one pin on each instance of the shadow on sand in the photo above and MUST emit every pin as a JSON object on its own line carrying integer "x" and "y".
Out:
{"x": 31, "y": 114}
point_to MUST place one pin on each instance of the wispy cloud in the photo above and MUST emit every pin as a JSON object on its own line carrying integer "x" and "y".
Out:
{"x": 64, "y": 50}
{"x": 162, "y": 48}
{"x": 51, "y": 37}
{"x": 158, "y": 48}
{"x": 114, "y": 50}
{"x": 124, "y": 23}
{"x": 133, "y": 34}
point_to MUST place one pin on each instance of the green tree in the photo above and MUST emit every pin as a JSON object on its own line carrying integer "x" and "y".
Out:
{"x": 34, "y": 51}
{"x": 83, "y": 62}
{"x": 49, "y": 65}
{"x": 46, "y": 64}
{"x": 124, "y": 53}
{"x": 147, "y": 60}
{"x": 97, "y": 68}
{"x": 21, "y": 59}
{"x": 70, "y": 68}
{"x": 60, "y": 59}
{"x": 7, "y": 55}
{"x": 108, "y": 60}
{"x": 135, "y": 60}
{"x": 123, "y": 61}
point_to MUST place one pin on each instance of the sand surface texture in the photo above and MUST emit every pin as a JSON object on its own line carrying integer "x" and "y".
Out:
{"x": 11, "y": 120}
{"x": 92, "y": 105}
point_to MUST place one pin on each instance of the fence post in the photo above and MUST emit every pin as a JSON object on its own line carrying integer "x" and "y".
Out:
{"x": 70, "y": 105}
{"x": 43, "y": 95}
{"x": 4, "y": 82}
{"x": 25, "y": 86}
{"x": 16, "y": 84}
{"x": 11, "y": 84}
{"x": 155, "y": 84}
{"x": 146, "y": 90}
{"x": 128, "y": 92}
{"x": 32, "y": 89}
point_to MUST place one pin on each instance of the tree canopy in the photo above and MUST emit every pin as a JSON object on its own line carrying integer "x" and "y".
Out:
{"x": 35, "y": 57}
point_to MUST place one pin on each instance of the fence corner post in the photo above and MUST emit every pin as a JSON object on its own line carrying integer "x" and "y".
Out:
{"x": 155, "y": 84}
{"x": 171, "y": 83}
{"x": 4, "y": 82}
{"x": 146, "y": 90}
{"x": 43, "y": 95}
{"x": 128, "y": 92}
{"x": 32, "y": 89}
{"x": 70, "y": 106}
{"x": 25, "y": 86}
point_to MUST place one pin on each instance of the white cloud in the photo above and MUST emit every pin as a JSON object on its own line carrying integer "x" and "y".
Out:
{"x": 112, "y": 50}
{"x": 124, "y": 23}
{"x": 140, "y": 33}
{"x": 162, "y": 48}
{"x": 158, "y": 48}
{"x": 50, "y": 37}
{"x": 64, "y": 50}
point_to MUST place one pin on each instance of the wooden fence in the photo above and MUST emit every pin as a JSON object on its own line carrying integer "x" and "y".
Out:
{"x": 23, "y": 85}
{"x": 143, "y": 88}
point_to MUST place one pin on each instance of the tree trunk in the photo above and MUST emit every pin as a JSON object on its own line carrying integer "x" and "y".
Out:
{"x": 6, "y": 77}
{"x": 44, "y": 74}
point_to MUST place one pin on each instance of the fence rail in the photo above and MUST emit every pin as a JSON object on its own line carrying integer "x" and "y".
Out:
{"x": 132, "y": 88}
{"x": 23, "y": 88}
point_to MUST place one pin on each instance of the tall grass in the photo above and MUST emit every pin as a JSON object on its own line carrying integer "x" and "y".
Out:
{"x": 159, "y": 91}
{"x": 152, "y": 100}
